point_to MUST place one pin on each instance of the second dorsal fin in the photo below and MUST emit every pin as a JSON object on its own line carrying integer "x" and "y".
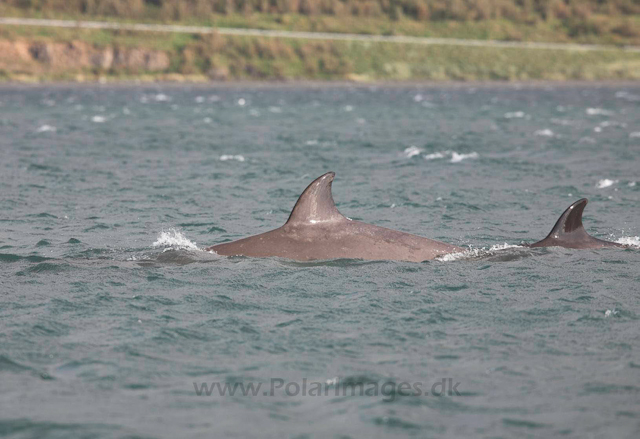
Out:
{"x": 316, "y": 205}
{"x": 569, "y": 232}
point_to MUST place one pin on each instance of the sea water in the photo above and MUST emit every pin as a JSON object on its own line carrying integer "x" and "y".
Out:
{"x": 114, "y": 321}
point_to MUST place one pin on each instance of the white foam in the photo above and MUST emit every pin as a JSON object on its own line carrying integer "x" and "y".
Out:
{"x": 545, "y": 133}
{"x": 174, "y": 239}
{"x": 275, "y": 109}
{"x": 514, "y": 115}
{"x": 242, "y": 102}
{"x": 476, "y": 252}
{"x": 161, "y": 97}
{"x": 612, "y": 123}
{"x": 207, "y": 120}
{"x": 98, "y": 119}
{"x": 348, "y": 108}
{"x": 599, "y": 112}
{"x": 418, "y": 98}
{"x": 311, "y": 142}
{"x": 610, "y": 312}
{"x": 412, "y": 151}
{"x": 199, "y": 99}
{"x": 605, "y": 183}
{"x": 46, "y": 129}
{"x": 455, "y": 157}
{"x": 629, "y": 240}
{"x": 632, "y": 184}
{"x": 332, "y": 381}
{"x": 627, "y": 96}
{"x": 634, "y": 135}
{"x": 563, "y": 122}
{"x": 238, "y": 157}
{"x": 436, "y": 155}
{"x": 504, "y": 246}
{"x": 460, "y": 255}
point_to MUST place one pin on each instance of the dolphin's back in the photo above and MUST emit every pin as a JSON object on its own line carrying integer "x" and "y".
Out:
{"x": 317, "y": 230}
{"x": 348, "y": 239}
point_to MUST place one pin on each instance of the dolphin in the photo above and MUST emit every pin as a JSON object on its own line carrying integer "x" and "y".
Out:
{"x": 317, "y": 230}
{"x": 569, "y": 232}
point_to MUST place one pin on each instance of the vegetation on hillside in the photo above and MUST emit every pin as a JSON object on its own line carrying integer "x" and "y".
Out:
{"x": 76, "y": 54}
{"x": 40, "y": 53}
{"x": 423, "y": 10}
{"x": 608, "y": 21}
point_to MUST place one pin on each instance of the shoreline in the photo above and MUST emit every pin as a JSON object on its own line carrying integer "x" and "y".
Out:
{"x": 231, "y": 84}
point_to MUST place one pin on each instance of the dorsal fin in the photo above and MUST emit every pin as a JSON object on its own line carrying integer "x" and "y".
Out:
{"x": 316, "y": 205}
{"x": 569, "y": 232}
{"x": 571, "y": 219}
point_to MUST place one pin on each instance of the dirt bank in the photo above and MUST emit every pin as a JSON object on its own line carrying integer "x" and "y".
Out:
{"x": 29, "y": 58}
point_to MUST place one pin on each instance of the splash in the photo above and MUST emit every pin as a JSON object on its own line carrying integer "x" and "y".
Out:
{"x": 225, "y": 157}
{"x": 455, "y": 157}
{"x": 436, "y": 155}
{"x": 505, "y": 246}
{"x": 46, "y": 129}
{"x": 605, "y": 183}
{"x": 174, "y": 239}
{"x": 161, "y": 97}
{"x": 633, "y": 241}
{"x": 544, "y": 133}
{"x": 599, "y": 112}
{"x": 627, "y": 96}
{"x": 412, "y": 151}
{"x": 476, "y": 252}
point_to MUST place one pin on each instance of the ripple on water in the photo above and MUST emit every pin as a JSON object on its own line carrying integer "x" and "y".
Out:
{"x": 44, "y": 268}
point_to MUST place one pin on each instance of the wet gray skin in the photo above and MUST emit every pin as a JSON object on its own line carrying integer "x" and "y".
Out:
{"x": 317, "y": 230}
{"x": 569, "y": 232}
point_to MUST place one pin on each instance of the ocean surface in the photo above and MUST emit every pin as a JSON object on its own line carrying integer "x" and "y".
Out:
{"x": 114, "y": 322}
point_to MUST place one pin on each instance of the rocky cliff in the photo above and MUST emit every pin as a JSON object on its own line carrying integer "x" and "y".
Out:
{"x": 25, "y": 57}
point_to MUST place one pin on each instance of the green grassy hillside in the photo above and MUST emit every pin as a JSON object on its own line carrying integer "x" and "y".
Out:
{"x": 33, "y": 53}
